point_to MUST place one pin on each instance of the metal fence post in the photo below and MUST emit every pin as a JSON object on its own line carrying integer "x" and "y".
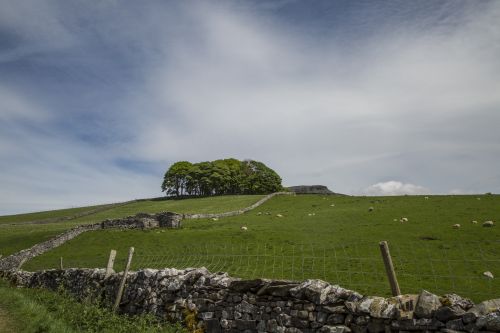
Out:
{"x": 389, "y": 268}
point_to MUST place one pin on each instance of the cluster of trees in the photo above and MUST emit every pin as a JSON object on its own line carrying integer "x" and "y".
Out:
{"x": 228, "y": 176}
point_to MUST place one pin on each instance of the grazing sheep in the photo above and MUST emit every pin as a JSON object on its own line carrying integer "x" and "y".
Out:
{"x": 371, "y": 209}
{"x": 311, "y": 214}
{"x": 279, "y": 215}
{"x": 488, "y": 224}
{"x": 456, "y": 226}
{"x": 488, "y": 274}
{"x": 426, "y": 198}
{"x": 244, "y": 228}
{"x": 215, "y": 219}
{"x": 474, "y": 222}
{"x": 403, "y": 219}
{"x": 478, "y": 198}
{"x": 259, "y": 213}
{"x": 332, "y": 205}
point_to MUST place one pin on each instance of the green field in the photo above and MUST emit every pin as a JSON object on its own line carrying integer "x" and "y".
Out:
{"x": 312, "y": 239}
{"x": 24, "y": 234}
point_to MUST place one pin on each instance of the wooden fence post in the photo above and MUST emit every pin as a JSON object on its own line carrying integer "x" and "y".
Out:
{"x": 389, "y": 268}
{"x": 61, "y": 263}
{"x": 124, "y": 279}
{"x": 111, "y": 262}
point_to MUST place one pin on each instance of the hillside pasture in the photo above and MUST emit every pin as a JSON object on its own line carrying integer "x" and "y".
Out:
{"x": 20, "y": 236}
{"x": 334, "y": 238}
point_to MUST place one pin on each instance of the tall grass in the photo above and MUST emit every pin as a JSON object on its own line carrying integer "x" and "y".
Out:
{"x": 37, "y": 310}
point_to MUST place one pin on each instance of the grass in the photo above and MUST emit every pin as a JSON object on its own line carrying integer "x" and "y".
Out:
{"x": 46, "y": 215}
{"x": 338, "y": 243}
{"x": 36, "y": 310}
{"x": 17, "y": 237}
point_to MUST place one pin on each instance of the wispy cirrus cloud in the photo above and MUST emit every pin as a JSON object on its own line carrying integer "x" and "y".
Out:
{"x": 98, "y": 99}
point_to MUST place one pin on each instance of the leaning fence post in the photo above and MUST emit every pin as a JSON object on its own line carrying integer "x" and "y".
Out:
{"x": 111, "y": 262}
{"x": 389, "y": 268}
{"x": 61, "y": 263}
{"x": 124, "y": 279}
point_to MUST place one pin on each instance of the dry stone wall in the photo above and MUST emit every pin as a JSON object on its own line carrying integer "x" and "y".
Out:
{"x": 225, "y": 304}
{"x": 139, "y": 221}
{"x": 235, "y": 212}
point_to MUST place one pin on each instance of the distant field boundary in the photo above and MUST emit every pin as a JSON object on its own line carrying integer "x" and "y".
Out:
{"x": 17, "y": 259}
{"x": 74, "y": 216}
{"x": 235, "y": 212}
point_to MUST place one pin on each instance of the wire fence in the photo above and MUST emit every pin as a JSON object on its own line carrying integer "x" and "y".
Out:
{"x": 437, "y": 266}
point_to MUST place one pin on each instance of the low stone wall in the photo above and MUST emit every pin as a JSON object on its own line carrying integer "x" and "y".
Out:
{"x": 139, "y": 221}
{"x": 235, "y": 212}
{"x": 221, "y": 303}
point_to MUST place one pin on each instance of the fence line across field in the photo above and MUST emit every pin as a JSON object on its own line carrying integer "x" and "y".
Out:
{"x": 438, "y": 266}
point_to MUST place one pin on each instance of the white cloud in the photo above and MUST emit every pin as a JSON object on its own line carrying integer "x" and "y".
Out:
{"x": 214, "y": 80}
{"x": 393, "y": 187}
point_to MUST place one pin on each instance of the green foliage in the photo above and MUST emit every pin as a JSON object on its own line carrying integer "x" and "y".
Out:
{"x": 37, "y": 310}
{"x": 228, "y": 176}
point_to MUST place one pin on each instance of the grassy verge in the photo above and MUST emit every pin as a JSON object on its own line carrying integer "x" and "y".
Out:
{"x": 36, "y": 310}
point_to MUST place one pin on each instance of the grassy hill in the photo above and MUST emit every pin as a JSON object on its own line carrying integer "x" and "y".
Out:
{"x": 25, "y": 234}
{"x": 334, "y": 238}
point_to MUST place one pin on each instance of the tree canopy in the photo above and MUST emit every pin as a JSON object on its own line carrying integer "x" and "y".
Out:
{"x": 227, "y": 176}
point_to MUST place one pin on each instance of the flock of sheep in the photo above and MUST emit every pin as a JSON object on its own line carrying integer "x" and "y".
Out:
{"x": 371, "y": 209}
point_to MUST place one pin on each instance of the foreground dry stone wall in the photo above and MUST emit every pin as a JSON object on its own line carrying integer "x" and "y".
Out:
{"x": 221, "y": 303}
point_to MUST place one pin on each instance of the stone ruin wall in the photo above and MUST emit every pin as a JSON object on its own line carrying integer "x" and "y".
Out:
{"x": 221, "y": 303}
{"x": 139, "y": 221}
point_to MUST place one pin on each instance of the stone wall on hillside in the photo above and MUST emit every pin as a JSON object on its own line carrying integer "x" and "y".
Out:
{"x": 139, "y": 221}
{"x": 221, "y": 303}
{"x": 235, "y": 212}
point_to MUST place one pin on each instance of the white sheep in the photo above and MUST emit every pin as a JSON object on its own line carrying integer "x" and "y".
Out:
{"x": 244, "y": 228}
{"x": 488, "y": 274}
{"x": 215, "y": 219}
{"x": 403, "y": 219}
{"x": 488, "y": 224}
{"x": 456, "y": 226}
{"x": 332, "y": 205}
{"x": 474, "y": 222}
{"x": 426, "y": 198}
{"x": 279, "y": 215}
{"x": 371, "y": 209}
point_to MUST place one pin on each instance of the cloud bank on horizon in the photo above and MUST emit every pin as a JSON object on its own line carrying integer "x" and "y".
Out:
{"x": 98, "y": 99}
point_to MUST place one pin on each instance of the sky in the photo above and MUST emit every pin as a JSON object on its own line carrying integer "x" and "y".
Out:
{"x": 99, "y": 98}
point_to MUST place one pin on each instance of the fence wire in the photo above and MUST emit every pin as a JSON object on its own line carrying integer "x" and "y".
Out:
{"x": 435, "y": 266}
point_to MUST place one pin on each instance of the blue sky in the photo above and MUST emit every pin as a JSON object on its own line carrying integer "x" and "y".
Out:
{"x": 97, "y": 99}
